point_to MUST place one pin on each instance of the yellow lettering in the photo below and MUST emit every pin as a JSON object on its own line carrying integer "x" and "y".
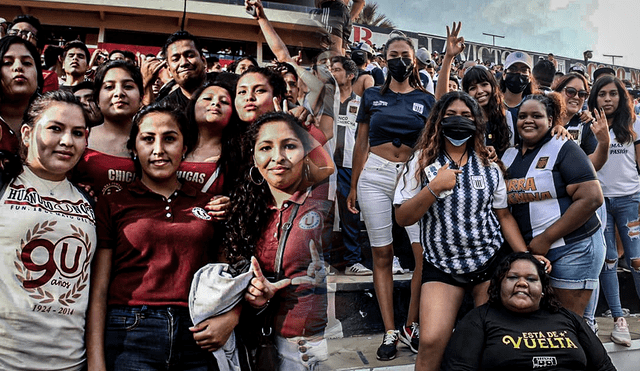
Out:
{"x": 543, "y": 343}
{"x": 508, "y": 339}
{"x": 551, "y": 344}
{"x": 530, "y": 346}
{"x": 570, "y": 344}
{"x": 561, "y": 341}
{"x": 531, "y": 185}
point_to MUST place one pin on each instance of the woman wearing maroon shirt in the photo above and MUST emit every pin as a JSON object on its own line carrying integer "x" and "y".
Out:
{"x": 153, "y": 236}
{"x": 275, "y": 193}
{"x": 213, "y": 165}
{"x": 20, "y": 81}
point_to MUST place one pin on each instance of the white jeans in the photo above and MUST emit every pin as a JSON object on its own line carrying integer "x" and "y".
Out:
{"x": 376, "y": 187}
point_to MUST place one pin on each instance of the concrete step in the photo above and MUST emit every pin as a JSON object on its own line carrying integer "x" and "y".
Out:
{"x": 359, "y": 352}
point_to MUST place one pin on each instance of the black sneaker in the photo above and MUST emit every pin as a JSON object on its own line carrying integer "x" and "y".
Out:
{"x": 410, "y": 336}
{"x": 389, "y": 347}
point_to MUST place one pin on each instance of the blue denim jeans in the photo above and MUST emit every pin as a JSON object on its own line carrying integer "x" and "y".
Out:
{"x": 590, "y": 310}
{"x": 623, "y": 213}
{"x": 153, "y": 338}
{"x": 353, "y": 237}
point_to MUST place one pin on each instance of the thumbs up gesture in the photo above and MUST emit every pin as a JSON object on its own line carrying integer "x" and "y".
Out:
{"x": 260, "y": 290}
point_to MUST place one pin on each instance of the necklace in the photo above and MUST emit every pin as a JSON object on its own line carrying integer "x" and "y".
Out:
{"x": 456, "y": 165}
{"x": 47, "y": 187}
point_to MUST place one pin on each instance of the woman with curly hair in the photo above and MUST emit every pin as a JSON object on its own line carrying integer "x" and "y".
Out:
{"x": 460, "y": 200}
{"x": 524, "y": 322}
{"x": 621, "y": 188}
{"x": 274, "y": 210}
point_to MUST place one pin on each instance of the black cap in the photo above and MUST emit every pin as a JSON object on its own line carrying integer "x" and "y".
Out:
{"x": 603, "y": 71}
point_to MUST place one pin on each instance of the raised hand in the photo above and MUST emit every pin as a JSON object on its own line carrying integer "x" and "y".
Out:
{"x": 260, "y": 290}
{"x": 455, "y": 44}
{"x": 600, "y": 127}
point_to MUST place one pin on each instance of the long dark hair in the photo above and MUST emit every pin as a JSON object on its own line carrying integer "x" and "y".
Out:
{"x": 5, "y": 44}
{"x": 249, "y": 211}
{"x": 431, "y": 142}
{"x": 494, "y": 111}
{"x": 414, "y": 78}
{"x": 232, "y": 154}
{"x": 549, "y": 300}
{"x": 623, "y": 117}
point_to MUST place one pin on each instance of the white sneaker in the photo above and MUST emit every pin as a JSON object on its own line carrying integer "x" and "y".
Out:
{"x": 397, "y": 269}
{"x": 357, "y": 270}
{"x": 620, "y": 334}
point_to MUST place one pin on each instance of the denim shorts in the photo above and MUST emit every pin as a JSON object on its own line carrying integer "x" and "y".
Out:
{"x": 376, "y": 188}
{"x": 576, "y": 266}
{"x": 153, "y": 338}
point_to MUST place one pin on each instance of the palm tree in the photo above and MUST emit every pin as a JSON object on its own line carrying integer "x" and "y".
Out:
{"x": 370, "y": 17}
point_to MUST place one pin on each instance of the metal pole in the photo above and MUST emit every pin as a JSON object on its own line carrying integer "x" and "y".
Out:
{"x": 613, "y": 57}
{"x": 493, "y": 36}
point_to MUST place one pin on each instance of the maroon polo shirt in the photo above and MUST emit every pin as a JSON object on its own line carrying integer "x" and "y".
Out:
{"x": 302, "y": 308}
{"x": 158, "y": 243}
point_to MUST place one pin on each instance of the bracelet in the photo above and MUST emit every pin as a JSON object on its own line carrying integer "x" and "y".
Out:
{"x": 263, "y": 307}
{"x": 433, "y": 193}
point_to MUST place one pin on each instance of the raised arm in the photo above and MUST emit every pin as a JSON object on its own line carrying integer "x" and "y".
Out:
{"x": 356, "y": 8}
{"x": 455, "y": 45}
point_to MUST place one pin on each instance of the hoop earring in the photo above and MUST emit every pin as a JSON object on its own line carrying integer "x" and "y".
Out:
{"x": 251, "y": 176}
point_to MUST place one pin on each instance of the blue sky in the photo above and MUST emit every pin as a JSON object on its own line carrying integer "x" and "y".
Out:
{"x": 563, "y": 27}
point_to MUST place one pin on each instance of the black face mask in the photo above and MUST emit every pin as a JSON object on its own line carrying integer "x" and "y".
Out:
{"x": 400, "y": 68}
{"x": 516, "y": 83}
{"x": 458, "y": 127}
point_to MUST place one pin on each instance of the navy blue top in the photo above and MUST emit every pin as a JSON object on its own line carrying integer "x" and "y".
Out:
{"x": 582, "y": 135}
{"x": 394, "y": 117}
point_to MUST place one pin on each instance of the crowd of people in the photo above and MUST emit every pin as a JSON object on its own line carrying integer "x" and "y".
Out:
{"x": 132, "y": 185}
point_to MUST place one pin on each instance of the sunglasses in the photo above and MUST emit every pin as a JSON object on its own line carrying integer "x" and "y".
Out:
{"x": 571, "y": 92}
{"x": 27, "y": 35}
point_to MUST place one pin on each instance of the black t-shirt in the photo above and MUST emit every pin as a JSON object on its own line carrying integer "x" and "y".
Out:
{"x": 494, "y": 338}
{"x": 177, "y": 99}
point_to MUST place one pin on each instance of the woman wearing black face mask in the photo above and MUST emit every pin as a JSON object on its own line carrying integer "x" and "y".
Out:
{"x": 459, "y": 198}
{"x": 390, "y": 120}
